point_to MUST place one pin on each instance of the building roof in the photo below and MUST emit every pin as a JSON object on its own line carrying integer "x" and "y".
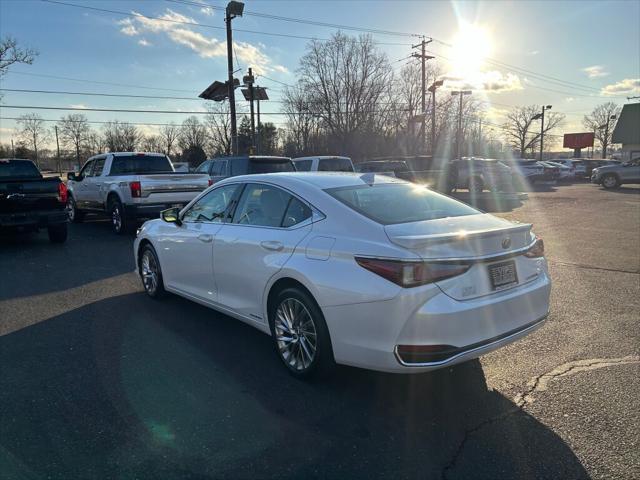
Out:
{"x": 628, "y": 126}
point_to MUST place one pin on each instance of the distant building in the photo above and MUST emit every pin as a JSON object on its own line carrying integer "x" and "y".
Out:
{"x": 627, "y": 132}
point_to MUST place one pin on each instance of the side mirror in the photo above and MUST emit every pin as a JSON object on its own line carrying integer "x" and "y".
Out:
{"x": 72, "y": 176}
{"x": 171, "y": 215}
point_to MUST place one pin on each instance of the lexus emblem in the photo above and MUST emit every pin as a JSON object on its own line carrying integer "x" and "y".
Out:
{"x": 506, "y": 242}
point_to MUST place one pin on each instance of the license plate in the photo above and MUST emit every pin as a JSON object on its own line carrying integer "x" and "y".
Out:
{"x": 503, "y": 275}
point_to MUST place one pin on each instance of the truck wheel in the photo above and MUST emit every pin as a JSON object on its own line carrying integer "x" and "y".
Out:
{"x": 75, "y": 215}
{"x": 119, "y": 222}
{"x": 610, "y": 181}
{"x": 476, "y": 185}
{"x": 57, "y": 233}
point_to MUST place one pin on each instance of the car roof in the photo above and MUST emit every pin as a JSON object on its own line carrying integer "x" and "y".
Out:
{"x": 321, "y": 157}
{"x": 322, "y": 180}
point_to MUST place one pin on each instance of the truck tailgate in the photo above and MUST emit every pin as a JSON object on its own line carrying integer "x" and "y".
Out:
{"x": 23, "y": 195}
{"x": 152, "y": 185}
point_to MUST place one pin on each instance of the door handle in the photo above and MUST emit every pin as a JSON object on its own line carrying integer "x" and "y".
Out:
{"x": 205, "y": 238}
{"x": 272, "y": 245}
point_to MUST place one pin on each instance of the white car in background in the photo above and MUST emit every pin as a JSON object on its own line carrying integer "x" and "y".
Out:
{"x": 326, "y": 163}
{"x": 566, "y": 172}
{"x": 356, "y": 269}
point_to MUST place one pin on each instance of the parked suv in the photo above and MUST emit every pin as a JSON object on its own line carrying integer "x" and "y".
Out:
{"x": 477, "y": 174}
{"x": 612, "y": 176}
{"x": 323, "y": 164}
{"x": 127, "y": 186}
{"x": 223, "y": 167}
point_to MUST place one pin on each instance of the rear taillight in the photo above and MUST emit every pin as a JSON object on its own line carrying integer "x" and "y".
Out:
{"x": 136, "y": 189}
{"x": 210, "y": 182}
{"x": 536, "y": 250}
{"x": 62, "y": 193}
{"x": 411, "y": 274}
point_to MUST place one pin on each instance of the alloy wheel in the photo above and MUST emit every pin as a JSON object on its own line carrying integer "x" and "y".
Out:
{"x": 71, "y": 209}
{"x": 149, "y": 272}
{"x": 296, "y": 334}
{"x": 116, "y": 218}
{"x": 609, "y": 181}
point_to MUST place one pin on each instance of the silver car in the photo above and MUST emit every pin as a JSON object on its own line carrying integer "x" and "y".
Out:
{"x": 612, "y": 176}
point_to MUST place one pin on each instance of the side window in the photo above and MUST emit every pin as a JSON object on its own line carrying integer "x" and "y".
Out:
{"x": 303, "y": 165}
{"x": 223, "y": 167}
{"x": 212, "y": 207}
{"x": 262, "y": 205}
{"x": 98, "y": 166}
{"x": 296, "y": 213}
{"x": 86, "y": 170}
{"x": 203, "y": 167}
{"x": 216, "y": 168}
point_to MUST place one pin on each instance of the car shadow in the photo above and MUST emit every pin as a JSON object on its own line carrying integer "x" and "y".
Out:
{"x": 129, "y": 387}
{"x": 625, "y": 190}
{"x": 92, "y": 252}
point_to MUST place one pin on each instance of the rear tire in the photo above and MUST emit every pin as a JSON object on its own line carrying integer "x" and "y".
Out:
{"x": 300, "y": 334}
{"x": 151, "y": 273}
{"x": 119, "y": 222}
{"x": 476, "y": 185}
{"x": 57, "y": 233}
{"x": 75, "y": 215}
{"x": 610, "y": 180}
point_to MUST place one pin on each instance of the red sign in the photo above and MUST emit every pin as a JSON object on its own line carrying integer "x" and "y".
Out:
{"x": 578, "y": 140}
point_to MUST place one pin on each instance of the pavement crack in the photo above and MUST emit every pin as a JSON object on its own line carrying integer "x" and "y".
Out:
{"x": 536, "y": 384}
{"x": 593, "y": 267}
{"x": 540, "y": 383}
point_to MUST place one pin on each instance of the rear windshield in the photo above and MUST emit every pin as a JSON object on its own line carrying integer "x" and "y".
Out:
{"x": 390, "y": 204}
{"x": 335, "y": 165}
{"x": 270, "y": 166}
{"x": 18, "y": 169}
{"x": 140, "y": 164}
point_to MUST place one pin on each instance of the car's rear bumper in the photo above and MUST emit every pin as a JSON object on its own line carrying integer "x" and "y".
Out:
{"x": 149, "y": 210}
{"x": 33, "y": 219}
{"x": 370, "y": 335}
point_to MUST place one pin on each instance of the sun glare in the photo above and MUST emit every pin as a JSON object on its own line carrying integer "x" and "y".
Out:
{"x": 471, "y": 46}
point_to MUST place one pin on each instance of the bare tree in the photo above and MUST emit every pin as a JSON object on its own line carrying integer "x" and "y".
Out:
{"x": 193, "y": 134}
{"x": 522, "y": 128}
{"x": 169, "y": 136}
{"x": 218, "y": 125}
{"x": 303, "y": 127}
{"x": 10, "y": 53}
{"x": 74, "y": 130}
{"x": 121, "y": 136}
{"x": 348, "y": 82}
{"x": 95, "y": 143}
{"x": 32, "y": 131}
{"x": 152, "y": 143}
{"x": 600, "y": 121}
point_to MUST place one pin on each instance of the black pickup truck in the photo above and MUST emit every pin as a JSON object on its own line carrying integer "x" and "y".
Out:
{"x": 28, "y": 201}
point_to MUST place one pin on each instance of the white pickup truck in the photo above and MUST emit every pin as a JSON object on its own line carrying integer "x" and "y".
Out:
{"x": 129, "y": 186}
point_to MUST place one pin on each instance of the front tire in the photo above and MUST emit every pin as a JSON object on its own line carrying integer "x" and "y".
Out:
{"x": 300, "y": 334}
{"x": 610, "y": 181}
{"x": 476, "y": 185}
{"x": 151, "y": 273}
{"x": 119, "y": 222}
{"x": 57, "y": 233}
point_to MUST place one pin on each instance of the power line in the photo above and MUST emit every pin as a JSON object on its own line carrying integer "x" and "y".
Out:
{"x": 196, "y": 24}
{"x": 95, "y": 94}
{"x": 107, "y": 122}
{"x": 97, "y": 82}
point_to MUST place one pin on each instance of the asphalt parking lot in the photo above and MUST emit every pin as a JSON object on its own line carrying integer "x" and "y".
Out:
{"x": 98, "y": 381}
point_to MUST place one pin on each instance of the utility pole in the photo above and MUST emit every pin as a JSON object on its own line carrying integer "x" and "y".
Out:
{"x": 460, "y": 93}
{"x": 58, "y": 150}
{"x": 249, "y": 81}
{"x": 548, "y": 107}
{"x": 259, "y": 131}
{"x": 13, "y": 151}
{"x": 234, "y": 9}
{"x": 35, "y": 148}
{"x": 423, "y": 57}
{"x": 432, "y": 89}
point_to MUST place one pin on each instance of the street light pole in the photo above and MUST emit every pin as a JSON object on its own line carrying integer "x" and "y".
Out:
{"x": 460, "y": 93}
{"x": 548, "y": 107}
{"x": 433, "y": 89}
{"x": 234, "y": 9}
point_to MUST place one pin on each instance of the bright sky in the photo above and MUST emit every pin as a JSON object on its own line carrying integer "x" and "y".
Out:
{"x": 572, "y": 55}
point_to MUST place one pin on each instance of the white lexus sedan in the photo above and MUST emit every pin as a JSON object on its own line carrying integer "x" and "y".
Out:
{"x": 355, "y": 269}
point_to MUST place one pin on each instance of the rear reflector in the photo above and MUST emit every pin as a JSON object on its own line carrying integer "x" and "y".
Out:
{"x": 210, "y": 182}
{"x": 411, "y": 274}
{"x": 536, "y": 250}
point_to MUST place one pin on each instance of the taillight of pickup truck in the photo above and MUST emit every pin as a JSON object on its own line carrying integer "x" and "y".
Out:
{"x": 63, "y": 194}
{"x": 136, "y": 189}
